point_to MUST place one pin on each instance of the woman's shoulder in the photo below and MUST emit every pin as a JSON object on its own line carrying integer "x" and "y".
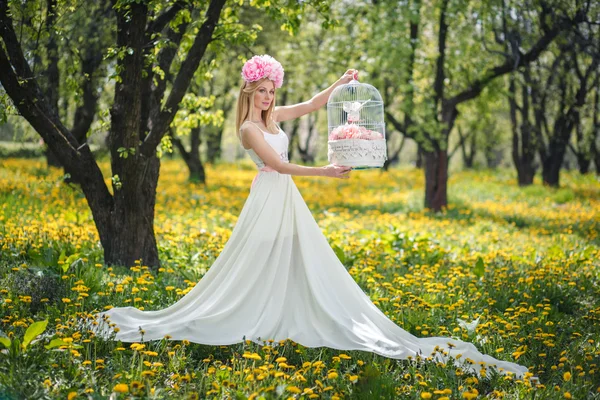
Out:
{"x": 249, "y": 126}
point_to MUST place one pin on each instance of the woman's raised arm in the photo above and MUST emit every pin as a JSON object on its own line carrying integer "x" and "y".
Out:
{"x": 285, "y": 113}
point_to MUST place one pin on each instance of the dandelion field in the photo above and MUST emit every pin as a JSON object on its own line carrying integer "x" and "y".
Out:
{"x": 524, "y": 261}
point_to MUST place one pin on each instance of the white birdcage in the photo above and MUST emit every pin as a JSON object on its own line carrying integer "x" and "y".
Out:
{"x": 356, "y": 134}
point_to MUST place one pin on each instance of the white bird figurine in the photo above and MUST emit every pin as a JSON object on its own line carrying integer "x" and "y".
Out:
{"x": 353, "y": 109}
{"x": 469, "y": 326}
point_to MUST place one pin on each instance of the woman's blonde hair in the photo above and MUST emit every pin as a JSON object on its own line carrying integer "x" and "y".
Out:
{"x": 245, "y": 106}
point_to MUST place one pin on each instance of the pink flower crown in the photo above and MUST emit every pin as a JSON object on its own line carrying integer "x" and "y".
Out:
{"x": 264, "y": 66}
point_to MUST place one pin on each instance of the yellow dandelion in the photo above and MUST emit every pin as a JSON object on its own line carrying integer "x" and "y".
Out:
{"x": 121, "y": 388}
{"x": 252, "y": 356}
{"x": 293, "y": 389}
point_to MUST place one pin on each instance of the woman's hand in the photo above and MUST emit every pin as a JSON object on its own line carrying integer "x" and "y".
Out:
{"x": 336, "y": 171}
{"x": 349, "y": 75}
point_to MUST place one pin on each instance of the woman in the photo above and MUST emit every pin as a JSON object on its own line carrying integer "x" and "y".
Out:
{"x": 277, "y": 277}
{"x": 257, "y": 115}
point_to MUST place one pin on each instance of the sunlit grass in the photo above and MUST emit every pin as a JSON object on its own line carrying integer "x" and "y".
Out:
{"x": 523, "y": 260}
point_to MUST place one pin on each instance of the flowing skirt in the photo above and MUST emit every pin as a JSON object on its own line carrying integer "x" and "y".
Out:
{"x": 278, "y": 278}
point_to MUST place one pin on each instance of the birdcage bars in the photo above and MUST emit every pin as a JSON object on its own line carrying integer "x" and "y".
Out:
{"x": 356, "y": 128}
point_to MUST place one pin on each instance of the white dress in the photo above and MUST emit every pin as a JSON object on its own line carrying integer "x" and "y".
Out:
{"x": 278, "y": 278}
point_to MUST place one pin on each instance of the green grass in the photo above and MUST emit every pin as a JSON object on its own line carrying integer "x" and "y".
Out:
{"x": 523, "y": 260}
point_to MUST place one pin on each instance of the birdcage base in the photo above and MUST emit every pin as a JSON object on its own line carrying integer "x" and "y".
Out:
{"x": 357, "y": 153}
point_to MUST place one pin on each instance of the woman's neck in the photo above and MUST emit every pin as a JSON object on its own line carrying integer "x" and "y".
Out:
{"x": 257, "y": 116}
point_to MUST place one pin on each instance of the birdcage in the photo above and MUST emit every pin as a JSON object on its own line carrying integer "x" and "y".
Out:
{"x": 356, "y": 132}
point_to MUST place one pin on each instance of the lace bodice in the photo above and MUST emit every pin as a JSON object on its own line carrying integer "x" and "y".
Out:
{"x": 279, "y": 142}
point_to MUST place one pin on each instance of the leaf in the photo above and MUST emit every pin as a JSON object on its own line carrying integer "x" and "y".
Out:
{"x": 70, "y": 261}
{"x": 339, "y": 253}
{"x": 55, "y": 343}
{"x": 479, "y": 269}
{"x": 388, "y": 237}
{"x": 367, "y": 232}
{"x": 33, "y": 331}
{"x": 5, "y": 342}
{"x": 62, "y": 256}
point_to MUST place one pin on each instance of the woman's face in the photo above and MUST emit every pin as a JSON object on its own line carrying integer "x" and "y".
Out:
{"x": 264, "y": 95}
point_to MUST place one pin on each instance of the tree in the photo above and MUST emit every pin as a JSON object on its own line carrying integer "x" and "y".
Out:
{"x": 523, "y": 136}
{"x": 149, "y": 36}
{"x": 125, "y": 218}
{"x": 586, "y": 134}
{"x": 436, "y": 143}
{"x": 429, "y": 97}
{"x": 560, "y": 96}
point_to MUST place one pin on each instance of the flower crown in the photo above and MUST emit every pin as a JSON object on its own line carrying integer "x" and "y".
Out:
{"x": 264, "y": 66}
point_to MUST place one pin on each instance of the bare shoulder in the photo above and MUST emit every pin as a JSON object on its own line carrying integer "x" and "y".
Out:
{"x": 249, "y": 128}
{"x": 249, "y": 133}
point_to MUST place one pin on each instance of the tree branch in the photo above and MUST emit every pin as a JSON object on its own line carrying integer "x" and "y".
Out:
{"x": 397, "y": 125}
{"x": 16, "y": 78}
{"x": 509, "y": 65}
{"x": 18, "y": 81}
{"x": 184, "y": 77}
{"x": 159, "y": 23}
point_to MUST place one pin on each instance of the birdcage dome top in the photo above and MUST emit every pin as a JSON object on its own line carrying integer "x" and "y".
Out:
{"x": 354, "y": 91}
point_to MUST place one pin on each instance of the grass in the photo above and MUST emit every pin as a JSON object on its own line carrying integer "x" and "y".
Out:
{"x": 523, "y": 260}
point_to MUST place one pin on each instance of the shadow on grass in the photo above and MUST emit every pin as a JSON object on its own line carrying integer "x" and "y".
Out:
{"x": 460, "y": 211}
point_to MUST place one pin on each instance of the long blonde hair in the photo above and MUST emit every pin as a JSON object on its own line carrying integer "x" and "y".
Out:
{"x": 245, "y": 106}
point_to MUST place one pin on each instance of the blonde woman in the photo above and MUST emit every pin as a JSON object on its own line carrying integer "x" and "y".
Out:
{"x": 257, "y": 119}
{"x": 277, "y": 278}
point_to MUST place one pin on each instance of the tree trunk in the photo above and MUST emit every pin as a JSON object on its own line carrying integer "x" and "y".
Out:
{"x": 304, "y": 152}
{"x": 551, "y": 164}
{"x": 523, "y": 152}
{"x": 556, "y": 152}
{"x": 213, "y": 138}
{"x": 596, "y": 156}
{"x": 583, "y": 151}
{"x": 420, "y": 157}
{"x": 583, "y": 162}
{"x": 132, "y": 219}
{"x": 395, "y": 157}
{"x": 131, "y": 234}
{"x": 192, "y": 159}
{"x": 436, "y": 179}
{"x": 551, "y": 172}
{"x": 197, "y": 173}
{"x": 51, "y": 159}
{"x": 293, "y": 129}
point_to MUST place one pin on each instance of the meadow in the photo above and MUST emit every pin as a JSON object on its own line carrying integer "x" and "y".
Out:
{"x": 524, "y": 261}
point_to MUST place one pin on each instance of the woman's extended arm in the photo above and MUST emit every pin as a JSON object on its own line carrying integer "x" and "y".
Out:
{"x": 285, "y": 113}
{"x": 266, "y": 153}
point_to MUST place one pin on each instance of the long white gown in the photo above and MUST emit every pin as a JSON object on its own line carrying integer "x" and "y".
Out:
{"x": 278, "y": 278}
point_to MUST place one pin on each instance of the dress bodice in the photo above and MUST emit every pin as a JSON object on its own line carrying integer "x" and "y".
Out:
{"x": 279, "y": 142}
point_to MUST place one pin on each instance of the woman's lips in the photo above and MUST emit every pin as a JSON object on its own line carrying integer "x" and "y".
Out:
{"x": 267, "y": 103}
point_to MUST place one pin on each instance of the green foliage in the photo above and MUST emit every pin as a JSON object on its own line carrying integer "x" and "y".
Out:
{"x": 166, "y": 146}
{"x": 40, "y": 284}
{"x": 17, "y": 346}
{"x": 116, "y": 182}
{"x": 124, "y": 152}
